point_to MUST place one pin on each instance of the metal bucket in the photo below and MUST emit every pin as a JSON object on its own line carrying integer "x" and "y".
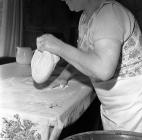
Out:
{"x": 106, "y": 135}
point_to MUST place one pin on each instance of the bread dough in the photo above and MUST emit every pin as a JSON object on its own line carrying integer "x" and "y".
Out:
{"x": 42, "y": 65}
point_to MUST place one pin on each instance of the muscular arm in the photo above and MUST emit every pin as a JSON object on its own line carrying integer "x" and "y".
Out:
{"x": 99, "y": 63}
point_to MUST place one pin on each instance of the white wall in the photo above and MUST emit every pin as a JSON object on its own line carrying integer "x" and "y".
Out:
{"x": 1, "y": 29}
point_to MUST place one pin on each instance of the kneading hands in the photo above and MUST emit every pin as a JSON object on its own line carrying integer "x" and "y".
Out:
{"x": 99, "y": 63}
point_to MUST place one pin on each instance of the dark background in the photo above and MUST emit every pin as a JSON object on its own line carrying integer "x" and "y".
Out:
{"x": 48, "y": 16}
{"x": 53, "y": 16}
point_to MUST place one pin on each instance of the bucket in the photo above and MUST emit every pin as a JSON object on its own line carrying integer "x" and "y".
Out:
{"x": 106, "y": 135}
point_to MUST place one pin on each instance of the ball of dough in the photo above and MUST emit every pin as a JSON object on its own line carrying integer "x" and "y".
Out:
{"x": 42, "y": 65}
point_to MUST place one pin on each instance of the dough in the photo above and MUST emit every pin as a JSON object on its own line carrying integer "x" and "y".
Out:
{"x": 42, "y": 65}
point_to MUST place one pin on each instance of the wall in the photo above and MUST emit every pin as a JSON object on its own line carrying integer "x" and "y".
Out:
{"x": 1, "y": 7}
{"x": 48, "y": 16}
{"x": 1, "y": 29}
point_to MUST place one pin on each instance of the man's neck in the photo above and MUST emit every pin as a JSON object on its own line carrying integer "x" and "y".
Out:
{"x": 93, "y": 5}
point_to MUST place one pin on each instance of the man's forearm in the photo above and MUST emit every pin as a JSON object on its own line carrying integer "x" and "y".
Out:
{"x": 81, "y": 60}
{"x": 68, "y": 72}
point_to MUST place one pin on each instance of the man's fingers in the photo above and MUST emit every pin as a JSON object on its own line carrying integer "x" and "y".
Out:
{"x": 41, "y": 39}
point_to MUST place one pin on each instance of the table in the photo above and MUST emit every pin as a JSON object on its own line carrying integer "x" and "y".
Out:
{"x": 37, "y": 114}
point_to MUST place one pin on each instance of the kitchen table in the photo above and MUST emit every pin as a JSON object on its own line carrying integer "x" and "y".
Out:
{"x": 37, "y": 114}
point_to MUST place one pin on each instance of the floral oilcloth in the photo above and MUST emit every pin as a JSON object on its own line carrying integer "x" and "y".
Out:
{"x": 27, "y": 113}
{"x": 19, "y": 130}
{"x": 121, "y": 96}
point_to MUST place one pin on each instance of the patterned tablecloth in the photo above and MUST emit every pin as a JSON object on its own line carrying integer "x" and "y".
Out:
{"x": 27, "y": 112}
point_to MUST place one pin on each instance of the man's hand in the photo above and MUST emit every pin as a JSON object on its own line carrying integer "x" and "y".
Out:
{"x": 48, "y": 42}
